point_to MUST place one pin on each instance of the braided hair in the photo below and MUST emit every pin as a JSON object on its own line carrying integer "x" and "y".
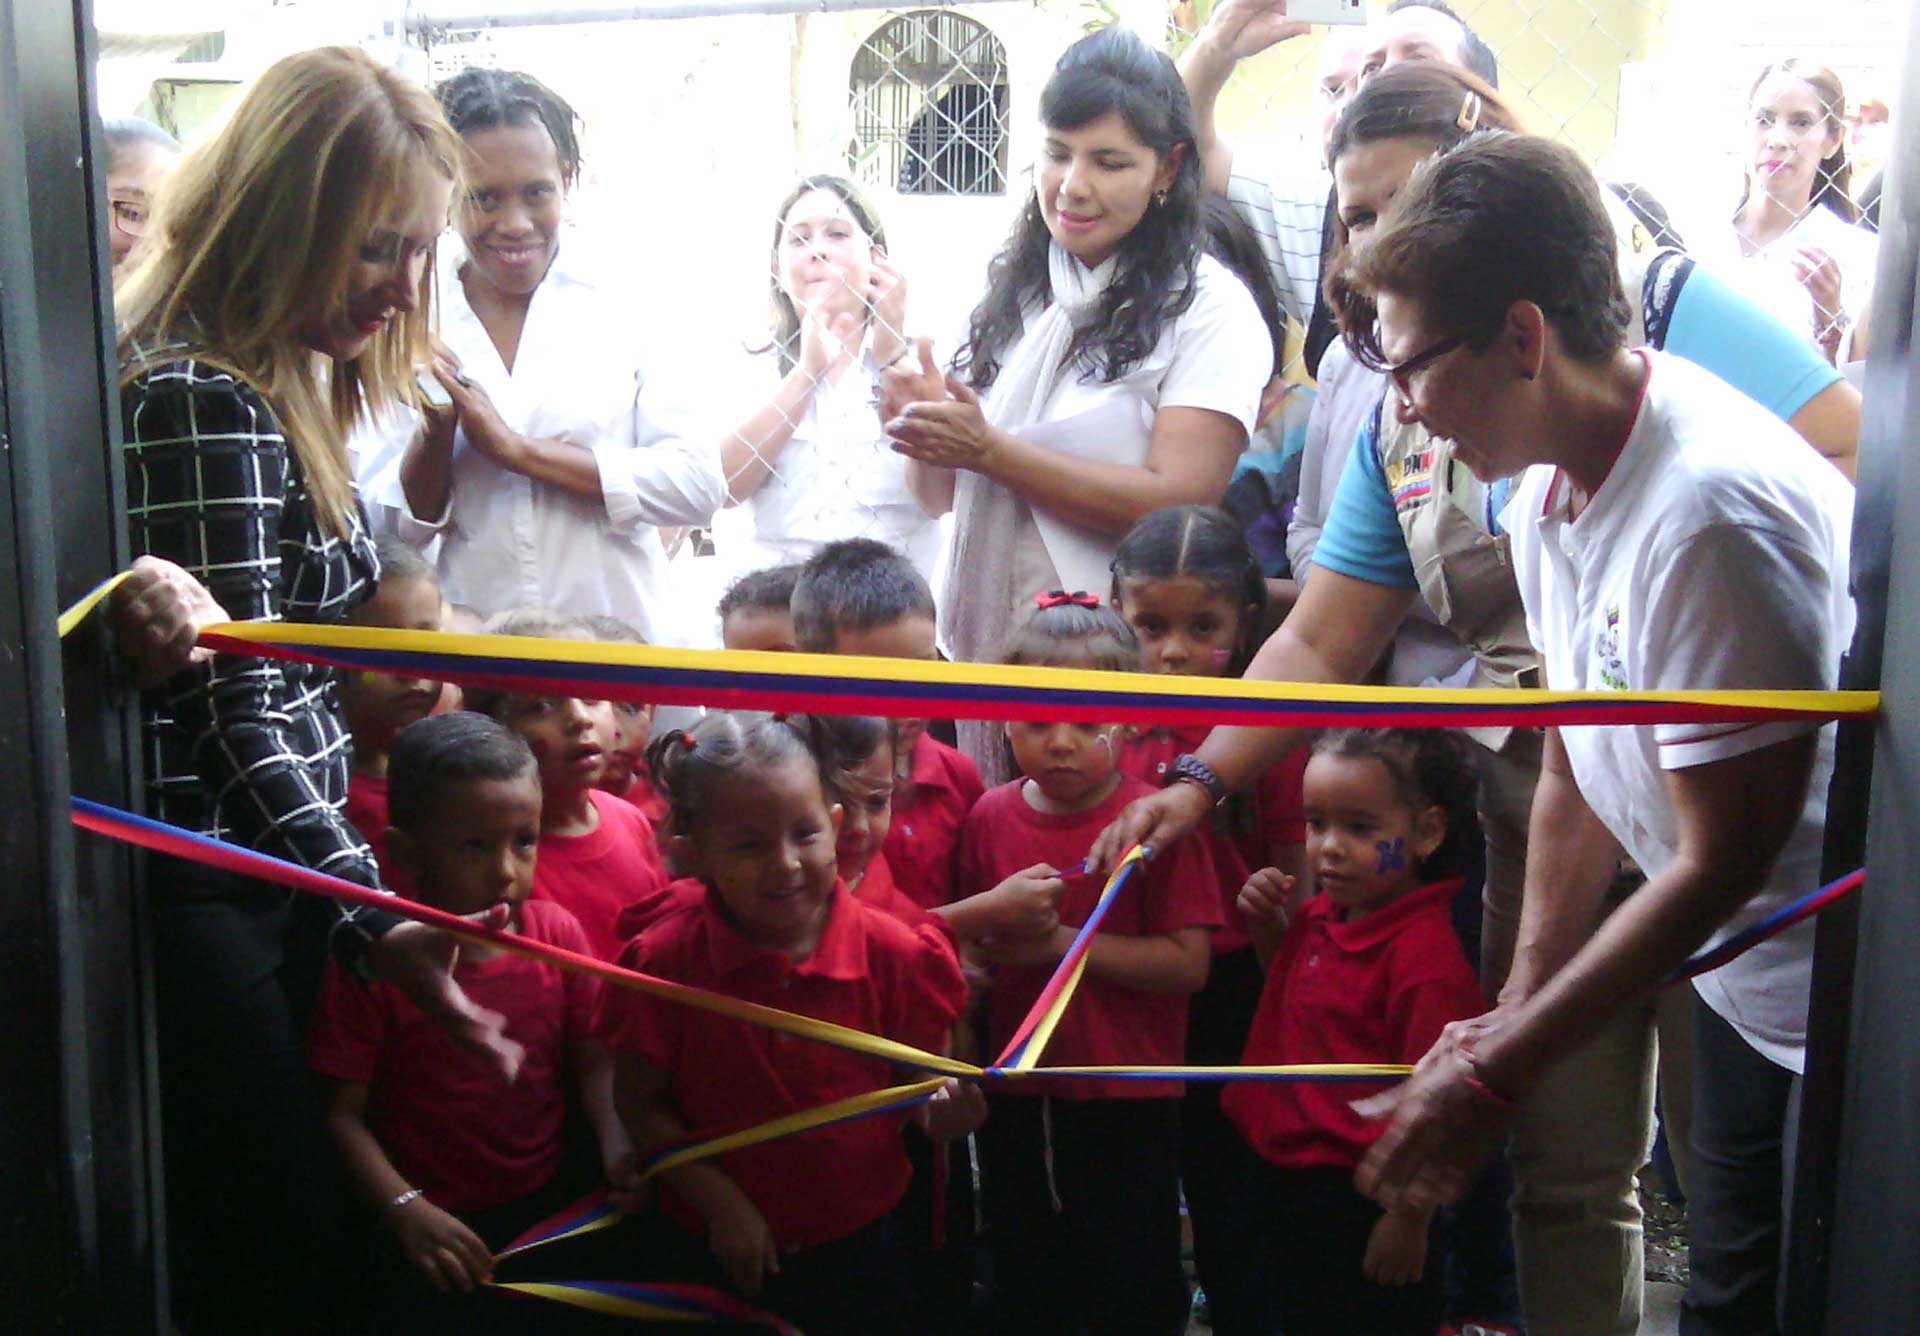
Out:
{"x": 481, "y": 99}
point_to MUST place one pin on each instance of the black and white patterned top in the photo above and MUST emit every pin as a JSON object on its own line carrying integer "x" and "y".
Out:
{"x": 248, "y": 750}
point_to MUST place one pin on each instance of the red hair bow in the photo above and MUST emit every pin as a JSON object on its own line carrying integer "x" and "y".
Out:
{"x": 1079, "y": 598}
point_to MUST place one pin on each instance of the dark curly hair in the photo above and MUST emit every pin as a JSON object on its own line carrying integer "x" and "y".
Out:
{"x": 1111, "y": 70}
{"x": 482, "y": 99}
{"x": 1429, "y": 767}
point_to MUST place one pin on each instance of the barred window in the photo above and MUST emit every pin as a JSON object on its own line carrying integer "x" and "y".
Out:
{"x": 929, "y": 95}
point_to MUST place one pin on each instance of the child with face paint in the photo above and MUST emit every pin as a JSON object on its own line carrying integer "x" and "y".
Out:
{"x": 1081, "y": 1177}
{"x": 1367, "y": 970}
{"x": 1187, "y": 582}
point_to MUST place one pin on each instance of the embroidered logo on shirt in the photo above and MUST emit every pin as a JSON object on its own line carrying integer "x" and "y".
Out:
{"x": 1410, "y": 479}
{"x": 1613, "y": 668}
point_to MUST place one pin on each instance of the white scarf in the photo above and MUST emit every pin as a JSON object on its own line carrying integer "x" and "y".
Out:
{"x": 977, "y": 603}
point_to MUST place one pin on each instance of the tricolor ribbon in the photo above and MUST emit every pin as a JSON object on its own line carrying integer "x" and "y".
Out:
{"x": 846, "y": 684}
{"x": 751, "y": 680}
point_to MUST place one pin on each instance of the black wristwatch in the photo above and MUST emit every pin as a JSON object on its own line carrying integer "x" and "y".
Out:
{"x": 1190, "y": 769}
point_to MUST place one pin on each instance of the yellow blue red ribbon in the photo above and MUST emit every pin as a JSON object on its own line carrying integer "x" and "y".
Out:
{"x": 899, "y": 687}
{"x": 841, "y": 684}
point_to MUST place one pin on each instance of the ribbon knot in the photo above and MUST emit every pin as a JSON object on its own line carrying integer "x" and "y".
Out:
{"x": 1079, "y": 598}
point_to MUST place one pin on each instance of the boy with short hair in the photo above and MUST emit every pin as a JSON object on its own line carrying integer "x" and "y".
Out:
{"x": 859, "y": 596}
{"x": 378, "y": 705}
{"x": 455, "y": 1160}
{"x": 755, "y": 610}
{"x": 597, "y": 853}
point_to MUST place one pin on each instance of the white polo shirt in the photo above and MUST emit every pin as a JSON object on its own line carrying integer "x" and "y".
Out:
{"x": 1713, "y": 557}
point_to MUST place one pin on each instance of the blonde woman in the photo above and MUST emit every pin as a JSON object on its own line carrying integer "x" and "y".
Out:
{"x": 282, "y": 294}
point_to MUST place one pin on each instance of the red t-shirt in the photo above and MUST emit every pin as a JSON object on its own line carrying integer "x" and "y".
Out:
{"x": 596, "y": 875}
{"x": 868, "y": 971}
{"x": 1104, "y": 1024}
{"x": 643, "y": 795}
{"x": 923, "y": 844}
{"x": 1378, "y": 988}
{"x": 444, "y": 1117}
{"x": 367, "y": 813}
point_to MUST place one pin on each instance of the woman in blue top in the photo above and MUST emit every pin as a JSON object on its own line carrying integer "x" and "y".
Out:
{"x": 1406, "y": 522}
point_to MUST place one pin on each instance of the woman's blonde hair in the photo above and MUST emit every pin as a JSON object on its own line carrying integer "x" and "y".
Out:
{"x": 257, "y": 233}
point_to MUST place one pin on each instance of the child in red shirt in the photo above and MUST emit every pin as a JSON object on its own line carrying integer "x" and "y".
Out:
{"x": 1187, "y": 583}
{"x": 859, "y": 596}
{"x": 936, "y": 1216}
{"x": 1081, "y": 1177}
{"x": 1369, "y": 970}
{"x": 597, "y": 853}
{"x": 378, "y": 705}
{"x": 454, "y": 1160}
{"x": 805, "y": 1225}
{"x": 626, "y": 775}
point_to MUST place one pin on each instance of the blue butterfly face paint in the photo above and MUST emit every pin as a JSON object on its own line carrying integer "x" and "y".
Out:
{"x": 1392, "y": 856}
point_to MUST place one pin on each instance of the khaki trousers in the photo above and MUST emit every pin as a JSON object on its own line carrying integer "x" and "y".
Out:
{"x": 1583, "y": 1134}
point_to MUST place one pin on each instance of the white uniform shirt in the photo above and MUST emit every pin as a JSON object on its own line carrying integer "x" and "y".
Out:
{"x": 837, "y": 478}
{"x": 1216, "y": 354}
{"x": 1714, "y": 556}
{"x": 1767, "y": 275}
{"x": 508, "y": 541}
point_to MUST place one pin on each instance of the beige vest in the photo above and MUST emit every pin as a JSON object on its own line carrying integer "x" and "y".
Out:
{"x": 1465, "y": 573}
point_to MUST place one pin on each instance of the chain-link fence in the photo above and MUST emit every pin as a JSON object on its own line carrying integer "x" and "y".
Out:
{"x": 697, "y": 128}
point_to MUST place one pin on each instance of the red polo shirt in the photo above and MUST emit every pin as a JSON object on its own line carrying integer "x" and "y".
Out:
{"x": 878, "y": 889}
{"x": 637, "y": 916}
{"x": 444, "y": 1117}
{"x": 1378, "y": 988}
{"x": 868, "y": 971}
{"x": 1244, "y": 834}
{"x": 1104, "y": 1024}
{"x": 596, "y": 875}
{"x": 923, "y": 844}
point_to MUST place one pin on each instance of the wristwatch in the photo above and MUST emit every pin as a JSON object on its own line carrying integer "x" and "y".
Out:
{"x": 1190, "y": 769}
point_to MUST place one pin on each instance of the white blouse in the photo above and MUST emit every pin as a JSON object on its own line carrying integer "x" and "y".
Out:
{"x": 836, "y": 478}
{"x": 507, "y": 541}
{"x": 1767, "y": 275}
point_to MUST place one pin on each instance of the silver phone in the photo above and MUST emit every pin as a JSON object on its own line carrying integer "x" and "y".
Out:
{"x": 1327, "y": 11}
{"x": 431, "y": 389}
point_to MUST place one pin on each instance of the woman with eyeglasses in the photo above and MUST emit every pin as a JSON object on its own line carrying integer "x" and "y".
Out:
{"x": 139, "y": 154}
{"x": 1668, "y": 533}
{"x": 1407, "y": 521}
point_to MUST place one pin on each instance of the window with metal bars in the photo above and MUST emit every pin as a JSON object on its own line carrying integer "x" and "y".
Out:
{"x": 929, "y": 96}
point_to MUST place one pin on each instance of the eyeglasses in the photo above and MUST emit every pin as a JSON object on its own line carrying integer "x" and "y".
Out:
{"x": 1402, "y": 373}
{"x": 130, "y": 216}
